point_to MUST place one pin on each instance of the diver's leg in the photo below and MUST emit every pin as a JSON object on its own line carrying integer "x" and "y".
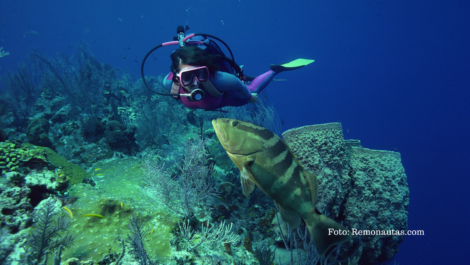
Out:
{"x": 261, "y": 81}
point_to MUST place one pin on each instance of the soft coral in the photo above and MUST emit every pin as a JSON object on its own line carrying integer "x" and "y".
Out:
{"x": 47, "y": 237}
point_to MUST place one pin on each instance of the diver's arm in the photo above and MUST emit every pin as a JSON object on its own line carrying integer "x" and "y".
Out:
{"x": 175, "y": 89}
{"x": 167, "y": 81}
{"x": 225, "y": 82}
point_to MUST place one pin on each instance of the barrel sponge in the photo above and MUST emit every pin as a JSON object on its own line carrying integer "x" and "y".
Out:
{"x": 363, "y": 188}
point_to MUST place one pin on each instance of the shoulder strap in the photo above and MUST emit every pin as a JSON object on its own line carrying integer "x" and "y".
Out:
{"x": 210, "y": 88}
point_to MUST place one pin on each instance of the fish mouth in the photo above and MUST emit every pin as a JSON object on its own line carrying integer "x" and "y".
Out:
{"x": 221, "y": 134}
{"x": 242, "y": 155}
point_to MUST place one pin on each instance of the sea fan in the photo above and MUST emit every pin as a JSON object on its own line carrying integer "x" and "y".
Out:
{"x": 47, "y": 237}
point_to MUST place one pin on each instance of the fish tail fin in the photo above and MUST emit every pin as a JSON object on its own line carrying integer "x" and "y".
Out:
{"x": 327, "y": 233}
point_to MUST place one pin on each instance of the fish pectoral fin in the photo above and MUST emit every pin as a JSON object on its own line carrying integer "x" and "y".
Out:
{"x": 247, "y": 185}
{"x": 289, "y": 216}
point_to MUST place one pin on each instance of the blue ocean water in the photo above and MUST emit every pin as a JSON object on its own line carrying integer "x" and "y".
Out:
{"x": 396, "y": 74}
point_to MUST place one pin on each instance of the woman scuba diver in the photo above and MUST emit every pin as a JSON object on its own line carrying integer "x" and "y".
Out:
{"x": 203, "y": 78}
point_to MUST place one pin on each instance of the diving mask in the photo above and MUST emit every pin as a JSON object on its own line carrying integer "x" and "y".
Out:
{"x": 186, "y": 75}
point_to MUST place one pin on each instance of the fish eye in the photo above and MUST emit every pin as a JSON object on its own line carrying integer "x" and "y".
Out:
{"x": 234, "y": 123}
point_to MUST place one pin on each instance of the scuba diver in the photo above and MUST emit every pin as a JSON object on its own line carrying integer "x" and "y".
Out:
{"x": 202, "y": 77}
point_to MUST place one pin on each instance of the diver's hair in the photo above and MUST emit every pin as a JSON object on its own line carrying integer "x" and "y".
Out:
{"x": 192, "y": 55}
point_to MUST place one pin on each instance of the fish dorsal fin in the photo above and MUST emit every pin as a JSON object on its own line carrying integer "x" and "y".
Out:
{"x": 247, "y": 185}
{"x": 312, "y": 184}
{"x": 289, "y": 216}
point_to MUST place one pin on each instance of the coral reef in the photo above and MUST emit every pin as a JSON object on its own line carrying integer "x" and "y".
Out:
{"x": 37, "y": 132}
{"x": 96, "y": 125}
{"x": 49, "y": 235}
{"x": 14, "y": 156}
{"x": 72, "y": 172}
{"x": 30, "y": 174}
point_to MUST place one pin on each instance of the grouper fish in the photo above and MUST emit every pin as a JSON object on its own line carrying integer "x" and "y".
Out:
{"x": 266, "y": 161}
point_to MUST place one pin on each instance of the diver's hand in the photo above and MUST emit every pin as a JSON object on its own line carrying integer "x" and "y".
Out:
{"x": 254, "y": 98}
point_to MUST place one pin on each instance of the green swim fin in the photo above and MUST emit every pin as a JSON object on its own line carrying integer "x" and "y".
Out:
{"x": 295, "y": 64}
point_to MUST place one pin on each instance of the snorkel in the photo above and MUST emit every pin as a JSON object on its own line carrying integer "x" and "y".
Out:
{"x": 183, "y": 40}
